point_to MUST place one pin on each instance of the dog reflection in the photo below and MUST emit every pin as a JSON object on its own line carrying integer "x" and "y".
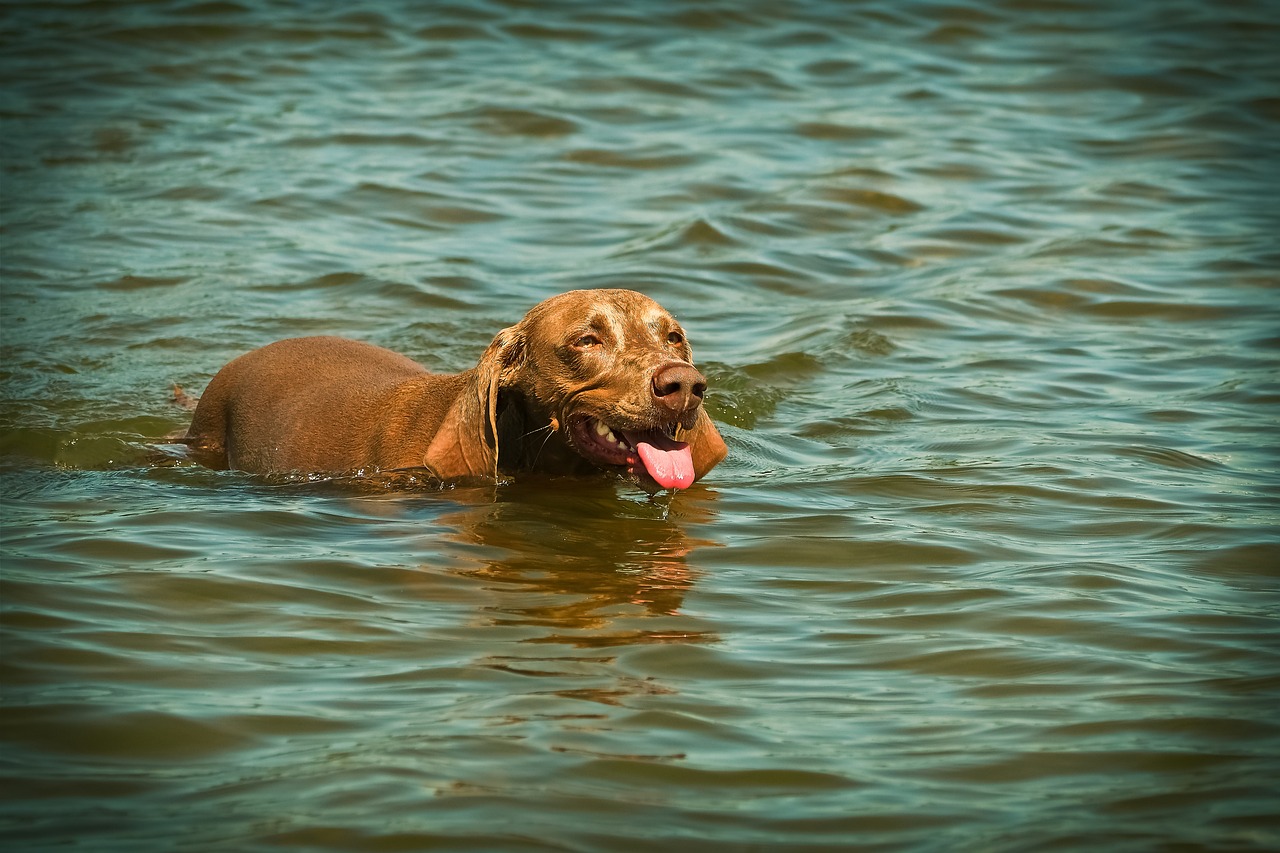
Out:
{"x": 582, "y": 562}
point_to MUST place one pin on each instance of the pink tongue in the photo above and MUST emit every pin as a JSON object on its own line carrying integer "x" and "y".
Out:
{"x": 668, "y": 461}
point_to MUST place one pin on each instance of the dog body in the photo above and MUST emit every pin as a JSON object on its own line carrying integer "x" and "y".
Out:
{"x": 599, "y": 379}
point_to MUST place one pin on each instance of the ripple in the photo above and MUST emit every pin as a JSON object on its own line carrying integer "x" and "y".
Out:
{"x": 842, "y": 132}
{"x": 873, "y": 199}
{"x": 1168, "y": 457}
{"x": 644, "y": 160}
{"x": 636, "y": 85}
{"x": 348, "y": 138}
{"x": 454, "y": 32}
{"x": 135, "y": 282}
{"x": 520, "y": 122}
{"x": 760, "y": 783}
{"x": 983, "y": 294}
{"x": 1021, "y": 768}
{"x": 1097, "y": 298}
{"x": 135, "y": 736}
{"x": 541, "y": 32}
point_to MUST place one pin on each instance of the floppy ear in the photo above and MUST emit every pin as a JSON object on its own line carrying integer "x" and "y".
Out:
{"x": 705, "y": 443}
{"x": 466, "y": 444}
{"x": 498, "y": 367}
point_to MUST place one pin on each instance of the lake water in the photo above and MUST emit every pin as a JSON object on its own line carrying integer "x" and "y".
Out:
{"x": 986, "y": 293}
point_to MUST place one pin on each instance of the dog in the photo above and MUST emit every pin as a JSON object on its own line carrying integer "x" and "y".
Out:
{"x": 589, "y": 380}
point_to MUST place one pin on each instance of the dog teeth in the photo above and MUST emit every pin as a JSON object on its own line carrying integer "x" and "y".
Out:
{"x": 606, "y": 433}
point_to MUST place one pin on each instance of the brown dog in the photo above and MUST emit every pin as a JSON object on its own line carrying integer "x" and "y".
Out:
{"x": 590, "y": 379}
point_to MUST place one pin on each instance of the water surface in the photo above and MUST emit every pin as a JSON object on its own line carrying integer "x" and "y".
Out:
{"x": 987, "y": 296}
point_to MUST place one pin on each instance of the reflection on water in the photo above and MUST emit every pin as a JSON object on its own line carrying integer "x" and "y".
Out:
{"x": 985, "y": 294}
{"x": 608, "y": 553}
{"x": 577, "y": 574}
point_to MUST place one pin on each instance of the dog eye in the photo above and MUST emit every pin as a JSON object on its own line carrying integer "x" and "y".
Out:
{"x": 675, "y": 338}
{"x": 587, "y": 342}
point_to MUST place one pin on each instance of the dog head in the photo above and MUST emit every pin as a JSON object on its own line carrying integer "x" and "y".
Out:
{"x": 601, "y": 377}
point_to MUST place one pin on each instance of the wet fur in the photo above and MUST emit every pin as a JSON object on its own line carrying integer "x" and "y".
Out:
{"x": 331, "y": 405}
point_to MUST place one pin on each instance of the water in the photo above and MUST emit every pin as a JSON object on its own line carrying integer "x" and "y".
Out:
{"x": 986, "y": 294}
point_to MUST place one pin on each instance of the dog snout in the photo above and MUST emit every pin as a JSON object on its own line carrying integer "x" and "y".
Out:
{"x": 678, "y": 388}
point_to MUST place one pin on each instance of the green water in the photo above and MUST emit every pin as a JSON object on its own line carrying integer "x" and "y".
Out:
{"x": 986, "y": 294}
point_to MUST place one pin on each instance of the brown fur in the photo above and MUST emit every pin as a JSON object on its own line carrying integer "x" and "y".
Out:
{"x": 330, "y": 405}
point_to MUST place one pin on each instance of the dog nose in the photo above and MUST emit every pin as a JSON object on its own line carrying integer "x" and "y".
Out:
{"x": 678, "y": 387}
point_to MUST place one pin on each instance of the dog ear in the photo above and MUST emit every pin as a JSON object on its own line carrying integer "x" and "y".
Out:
{"x": 466, "y": 445}
{"x": 705, "y": 443}
{"x": 497, "y": 369}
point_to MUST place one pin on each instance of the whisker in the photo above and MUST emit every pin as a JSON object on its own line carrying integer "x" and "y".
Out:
{"x": 549, "y": 428}
{"x": 550, "y": 432}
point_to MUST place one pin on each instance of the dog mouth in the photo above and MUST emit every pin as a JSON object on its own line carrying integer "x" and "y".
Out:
{"x": 653, "y": 452}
